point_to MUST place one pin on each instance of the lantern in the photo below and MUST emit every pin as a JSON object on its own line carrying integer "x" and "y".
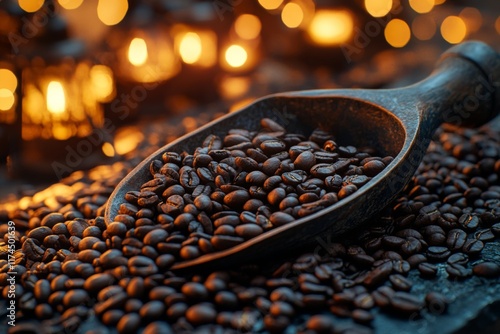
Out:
{"x": 59, "y": 119}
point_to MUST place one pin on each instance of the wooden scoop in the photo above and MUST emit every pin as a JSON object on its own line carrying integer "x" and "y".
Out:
{"x": 464, "y": 89}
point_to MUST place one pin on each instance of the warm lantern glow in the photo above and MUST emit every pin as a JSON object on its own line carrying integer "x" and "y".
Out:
{"x": 111, "y": 12}
{"x": 329, "y": 27}
{"x": 127, "y": 139}
{"x": 378, "y": 8}
{"x": 190, "y": 48}
{"x": 6, "y": 99}
{"x": 8, "y": 80}
{"x": 270, "y": 4}
{"x": 70, "y": 4}
{"x": 108, "y": 150}
{"x": 439, "y": 2}
{"x": 138, "y": 52}
{"x": 397, "y": 33}
{"x": 234, "y": 87}
{"x": 31, "y": 6}
{"x": 292, "y": 15}
{"x": 236, "y": 56}
{"x": 472, "y": 18}
{"x": 247, "y": 26}
{"x": 102, "y": 82}
{"x": 424, "y": 27}
{"x": 56, "y": 99}
{"x": 422, "y": 6}
{"x": 453, "y": 29}
{"x": 497, "y": 25}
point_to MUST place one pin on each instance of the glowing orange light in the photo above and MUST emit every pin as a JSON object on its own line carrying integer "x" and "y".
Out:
{"x": 138, "y": 52}
{"x": 378, "y": 8}
{"x": 247, "y": 26}
{"x": 270, "y": 4}
{"x": 102, "y": 81}
{"x": 70, "y": 4}
{"x": 497, "y": 25}
{"x": 397, "y": 33}
{"x": 190, "y": 48}
{"x": 422, "y": 6}
{"x": 330, "y": 27}
{"x": 453, "y": 29}
{"x": 56, "y": 98}
{"x": 111, "y": 12}
{"x": 31, "y": 6}
{"x": 236, "y": 56}
{"x": 292, "y": 15}
{"x": 108, "y": 150}
{"x": 8, "y": 80}
{"x": 6, "y": 99}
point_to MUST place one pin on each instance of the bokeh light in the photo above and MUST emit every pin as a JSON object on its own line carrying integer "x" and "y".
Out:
{"x": 108, "y": 150}
{"x": 190, "y": 48}
{"x": 236, "y": 56}
{"x": 378, "y": 8}
{"x": 497, "y": 25}
{"x": 8, "y": 80}
{"x": 439, "y": 2}
{"x": 70, "y": 4}
{"x": 56, "y": 98}
{"x": 422, "y": 6}
{"x": 247, "y": 26}
{"x": 472, "y": 18}
{"x": 330, "y": 27}
{"x": 453, "y": 29}
{"x": 102, "y": 82}
{"x": 270, "y": 4}
{"x": 31, "y": 6}
{"x": 424, "y": 27}
{"x": 7, "y": 99}
{"x": 292, "y": 15}
{"x": 111, "y": 12}
{"x": 397, "y": 33}
{"x": 138, "y": 52}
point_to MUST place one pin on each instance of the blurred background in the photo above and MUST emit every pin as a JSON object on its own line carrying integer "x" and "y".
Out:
{"x": 87, "y": 83}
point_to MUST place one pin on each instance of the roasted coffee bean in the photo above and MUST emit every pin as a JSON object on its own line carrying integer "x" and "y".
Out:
{"x": 400, "y": 282}
{"x": 142, "y": 266}
{"x": 469, "y": 222}
{"x": 473, "y": 247}
{"x": 222, "y": 242}
{"x": 456, "y": 239}
{"x": 457, "y": 271}
{"x": 438, "y": 253}
{"x": 484, "y": 235}
{"x": 237, "y": 198}
{"x": 405, "y": 303}
{"x": 200, "y": 314}
{"x": 458, "y": 258}
{"x": 281, "y": 218}
{"x": 487, "y": 269}
{"x": 378, "y": 275}
{"x": 427, "y": 270}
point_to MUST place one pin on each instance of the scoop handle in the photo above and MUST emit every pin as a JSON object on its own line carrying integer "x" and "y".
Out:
{"x": 463, "y": 90}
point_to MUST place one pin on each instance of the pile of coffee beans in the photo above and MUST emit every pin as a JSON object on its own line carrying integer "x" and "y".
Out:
{"x": 235, "y": 188}
{"x": 75, "y": 273}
